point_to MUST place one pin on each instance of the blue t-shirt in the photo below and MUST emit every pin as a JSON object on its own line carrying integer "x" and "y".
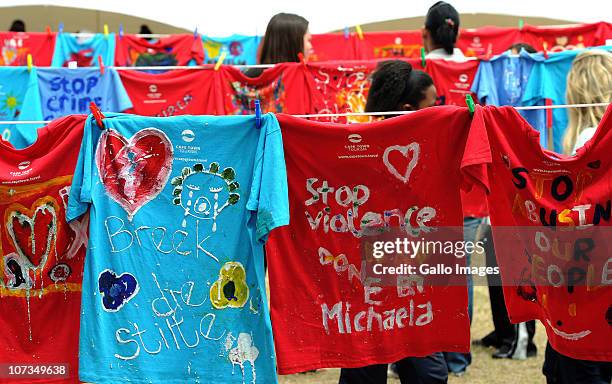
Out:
{"x": 548, "y": 80}
{"x": 240, "y": 49}
{"x": 66, "y": 91}
{"x": 19, "y": 101}
{"x": 84, "y": 52}
{"x": 173, "y": 289}
{"x": 502, "y": 81}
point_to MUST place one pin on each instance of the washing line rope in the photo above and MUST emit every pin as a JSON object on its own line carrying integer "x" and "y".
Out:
{"x": 348, "y": 114}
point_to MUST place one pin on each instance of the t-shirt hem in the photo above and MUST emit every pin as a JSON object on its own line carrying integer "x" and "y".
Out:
{"x": 362, "y": 362}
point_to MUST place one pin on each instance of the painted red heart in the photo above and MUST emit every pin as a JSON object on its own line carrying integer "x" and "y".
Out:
{"x": 134, "y": 172}
{"x": 34, "y": 230}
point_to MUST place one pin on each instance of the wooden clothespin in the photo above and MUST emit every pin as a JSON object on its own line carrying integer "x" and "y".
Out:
{"x": 470, "y": 104}
{"x": 97, "y": 114}
{"x": 423, "y": 57}
{"x": 106, "y": 31}
{"x": 545, "y": 48}
{"x": 220, "y": 60}
{"x": 101, "y": 64}
{"x": 257, "y": 114}
{"x": 359, "y": 31}
{"x": 29, "y": 61}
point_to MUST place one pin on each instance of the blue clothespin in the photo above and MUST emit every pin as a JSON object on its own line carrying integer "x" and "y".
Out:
{"x": 60, "y": 28}
{"x": 120, "y": 30}
{"x": 346, "y": 33}
{"x": 195, "y": 33}
{"x": 257, "y": 114}
{"x": 470, "y": 104}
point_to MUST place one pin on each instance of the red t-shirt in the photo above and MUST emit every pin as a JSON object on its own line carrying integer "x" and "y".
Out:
{"x": 570, "y": 37}
{"x": 453, "y": 80}
{"x": 180, "y": 49}
{"x": 176, "y": 92}
{"x": 42, "y": 255}
{"x": 549, "y": 213}
{"x": 341, "y": 87}
{"x": 389, "y": 45}
{"x": 282, "y": 88}
{"x": 487, "y": 41}
{"x": 17, "y": 45}
{"x": 343, "y": 179}
{"x": 334, "y": 46}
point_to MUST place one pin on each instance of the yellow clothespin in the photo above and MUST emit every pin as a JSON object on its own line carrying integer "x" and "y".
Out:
{"x": 359, "y": 31}
{"x": 29, "y": 60}
{"x": 220, "y": 60}
{"x": 106, "y": 31}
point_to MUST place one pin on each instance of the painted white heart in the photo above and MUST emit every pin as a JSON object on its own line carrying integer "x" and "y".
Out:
{"x": 414, "y": 148}
{"x": 26, "y": 237}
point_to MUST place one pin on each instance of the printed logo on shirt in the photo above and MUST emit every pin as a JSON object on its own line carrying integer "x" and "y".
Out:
{"x": 355, "y": 145}
{"x": 463, "y": 78}
{"x": 188, "y": 135}
{"x": 23, "y": 165}
{"x": 153, "y": 94}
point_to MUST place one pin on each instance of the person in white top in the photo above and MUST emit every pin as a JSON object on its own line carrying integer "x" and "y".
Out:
{"x": 589, "y": 81}
{"x": 440, "y": 33}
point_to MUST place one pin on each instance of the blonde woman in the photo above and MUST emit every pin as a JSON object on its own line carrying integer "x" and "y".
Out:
{"x": 588, "y": 81}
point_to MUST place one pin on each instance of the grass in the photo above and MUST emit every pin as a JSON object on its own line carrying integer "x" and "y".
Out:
{"x": 483, "y": 370}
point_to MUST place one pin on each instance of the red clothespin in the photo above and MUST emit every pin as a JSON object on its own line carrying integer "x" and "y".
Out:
{"x": 48, "y": 29}
{"x": 302, "y": 58}
{"x": 545, "y": 47}
{"x": 101, "y": 64}
{"x": 97, "y": 114}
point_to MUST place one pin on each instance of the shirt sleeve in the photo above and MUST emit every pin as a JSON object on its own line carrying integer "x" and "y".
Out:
{"x": 534, "y": 90}
{"x": 81, "y": 189}
{"x": 59, "y": 52}
{"x": 477, "y": 154}
{"x": 484, "y": 84}
{"x": 119, "y": 96}
{"x": 31, "y": 110}
{"x": 269, "y": 199}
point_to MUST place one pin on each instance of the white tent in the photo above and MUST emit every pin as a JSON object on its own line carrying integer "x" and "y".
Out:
{"x": 220, "y": 18}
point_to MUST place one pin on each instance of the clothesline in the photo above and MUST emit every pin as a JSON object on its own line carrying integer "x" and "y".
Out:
{"x": 171, "y": 67}
{"x": 348, "y": 114}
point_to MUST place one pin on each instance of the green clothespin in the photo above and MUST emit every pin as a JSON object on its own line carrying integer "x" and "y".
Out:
{"x": 521, "y": 24}
{"x": 470, "y": 104}
{"x": 423, "y": 57}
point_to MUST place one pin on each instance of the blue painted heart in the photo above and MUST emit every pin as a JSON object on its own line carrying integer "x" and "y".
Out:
{"x": 116, "y": 290}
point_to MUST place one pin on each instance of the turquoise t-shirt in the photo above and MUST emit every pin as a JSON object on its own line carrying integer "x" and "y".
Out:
{"x": 19, "y": 101}
{"x": 84, "y": 51}
{"x": 66, "y": 91}
{"x": 239, "y": 49}
{"x": 180, "y": 207}
{"x": 548, "y": 80}
{"x": 502, "y": 81}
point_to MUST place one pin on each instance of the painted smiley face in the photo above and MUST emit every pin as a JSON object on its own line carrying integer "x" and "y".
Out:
{"x": 204, "y": 195}
{"x": 569, "y": 336}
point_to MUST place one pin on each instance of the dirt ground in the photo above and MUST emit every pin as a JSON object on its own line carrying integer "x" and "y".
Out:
{"x": 483, "y": 370}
